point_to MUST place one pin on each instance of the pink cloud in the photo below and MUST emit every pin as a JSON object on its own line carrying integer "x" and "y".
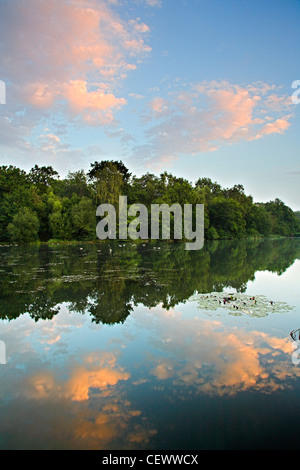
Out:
{"x": 74, "y": 53}
{"x": 277, "y": 127}
{"x": 210, "y": 114}
{"x": 159, "y": 106}
{"x": 236, "y": 107}
{"x": 94, "y": 106}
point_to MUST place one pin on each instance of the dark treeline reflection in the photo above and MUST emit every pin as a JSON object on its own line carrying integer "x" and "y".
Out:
{"x": 107, "y": 285}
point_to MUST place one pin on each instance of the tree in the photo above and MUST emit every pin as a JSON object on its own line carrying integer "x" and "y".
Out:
{"x": 42, "y": 176}
{"x": 207, "y": 183}
{"x": 258, "y": 220}
{"x": 226, "y": 215}
{"x": 84, "y": 219}
{"x": 284, "y": 221}
{"x": 77, "y": 183}
{"x": 109, "y": 183}
{"x": 97, "y": 168}
{"x": 11, "y": 178}
{"x": 25, "y": 226}
{"x": 144, "y": 190}
{"x": 15, "y": 192}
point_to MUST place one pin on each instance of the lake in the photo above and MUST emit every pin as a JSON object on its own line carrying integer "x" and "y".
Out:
{"x": 149, "y": 346}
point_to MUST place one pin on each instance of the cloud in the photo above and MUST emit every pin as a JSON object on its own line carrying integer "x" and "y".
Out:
{"x": 276, "y": 127}
{"x": 159, "y": 107}
{"x": 95, "y": 107}
{"x": 153, "y": 3}
{"x": 208, "y": 115}
{"x": 64, "y": 64}
{"x": 73, "y": 53}
{"x": 150, "y": 3}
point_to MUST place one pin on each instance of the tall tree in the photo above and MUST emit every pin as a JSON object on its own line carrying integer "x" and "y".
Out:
{"x": 42, "y": 176}
{"x": 98, "y": 167}
{"x": 109, "y": 182}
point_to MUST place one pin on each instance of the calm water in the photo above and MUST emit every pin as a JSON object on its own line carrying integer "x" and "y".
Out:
{"x": 123, "y": 350}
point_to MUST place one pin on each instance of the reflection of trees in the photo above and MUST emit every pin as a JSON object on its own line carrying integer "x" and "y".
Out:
{"x": 35, "y": 280}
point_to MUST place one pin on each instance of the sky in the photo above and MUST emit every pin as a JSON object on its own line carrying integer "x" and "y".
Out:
{"x": 197, "y": 88}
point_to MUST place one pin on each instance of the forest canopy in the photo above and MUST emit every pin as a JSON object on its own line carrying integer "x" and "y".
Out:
{"x": 40, "y": 206}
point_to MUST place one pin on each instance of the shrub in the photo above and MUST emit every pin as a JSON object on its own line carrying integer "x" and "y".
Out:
{"x": 25, "y": 226}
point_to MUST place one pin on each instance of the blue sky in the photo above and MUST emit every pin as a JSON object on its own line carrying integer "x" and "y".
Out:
{"x": 193, "y": 87}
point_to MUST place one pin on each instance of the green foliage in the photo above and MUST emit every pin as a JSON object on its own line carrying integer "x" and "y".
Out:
{"x": 15, "y": 192}
{"x": 226, "y": 215}
{"x": 259, "y": 220}
{"x": 212, "y": 233}
{"x": 24, "y": 227}
{"x": 75, "y": 183}
{"x": 97, "y": 168}
{"x": 108, "y": 182}
{"x": 84, "y": 220}
{"x": 42, "y": 176}
{"x": 65, "y": 209}
{"x": 283, "y": 219}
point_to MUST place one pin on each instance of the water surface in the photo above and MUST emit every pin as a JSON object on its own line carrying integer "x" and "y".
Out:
{"x": 116, "y": 347}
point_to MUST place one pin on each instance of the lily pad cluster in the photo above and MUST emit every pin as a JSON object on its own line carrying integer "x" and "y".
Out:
{"x": 239, "y": 304}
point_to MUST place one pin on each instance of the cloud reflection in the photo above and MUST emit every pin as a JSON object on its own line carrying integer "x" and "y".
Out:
{"x": 87, "y": 398}
{"x": 99, "y": 372}
{"x": 79, "y": 406}
{"x": 219, "y": 359}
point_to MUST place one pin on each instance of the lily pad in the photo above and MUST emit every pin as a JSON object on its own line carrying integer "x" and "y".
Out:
{"x": 239, "y": 304}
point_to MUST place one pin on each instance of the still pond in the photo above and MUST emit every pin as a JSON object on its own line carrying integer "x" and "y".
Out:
{"x": 149, "y": 346}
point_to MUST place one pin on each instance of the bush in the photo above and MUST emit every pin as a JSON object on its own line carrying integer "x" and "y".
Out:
{"x": 25, "y": 226}
{"x": 212, "y": 234}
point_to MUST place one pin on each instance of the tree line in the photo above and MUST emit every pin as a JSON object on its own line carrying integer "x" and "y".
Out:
{"x": 40, "y": 206}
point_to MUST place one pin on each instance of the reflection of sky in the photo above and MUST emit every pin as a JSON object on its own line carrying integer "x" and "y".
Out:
{"x": 72, "y": 395}
{"x": 220, "y": 359}
{"x": 72, "y": 383}
{"x": 284, "y": 287}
